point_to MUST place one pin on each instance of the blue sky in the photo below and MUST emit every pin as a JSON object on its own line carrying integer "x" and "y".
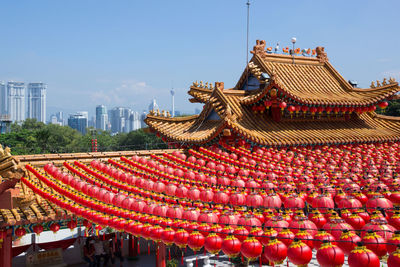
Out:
{"x": 123, "y": 53}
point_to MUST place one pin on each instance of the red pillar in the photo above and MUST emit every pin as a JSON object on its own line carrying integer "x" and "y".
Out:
{"x": 161, "y": 255}
{"x": 6, "y": 250}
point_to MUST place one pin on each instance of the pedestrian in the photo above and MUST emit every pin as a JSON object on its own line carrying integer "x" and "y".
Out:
{"x": 88, "y": 252}
{"x": 99, "y": 252}
{"x": 116, "y": 251}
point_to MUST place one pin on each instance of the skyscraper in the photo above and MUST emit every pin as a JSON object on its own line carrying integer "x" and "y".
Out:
{"x": 84, "y": 114}
{"x": 60, "y": 117}
{"x": 153, "y": 105}
{"x": 16, "y": 100}
{"x": 101, "y": 117}
{"x": 37, "y": 101}
{"x": 117, "y": 120}
{"x": 3, "y": 98}
{"x": 78, "y": 122}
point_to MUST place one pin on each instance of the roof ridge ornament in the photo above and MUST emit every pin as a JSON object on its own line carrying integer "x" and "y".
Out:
{"x": 219, "y": 86}
{"x": 321, "y": 54}
{"x": 372, "y": 84}
{"x": 259, "y": 48}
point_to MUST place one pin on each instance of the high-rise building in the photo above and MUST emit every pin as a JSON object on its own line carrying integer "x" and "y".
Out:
{"x": 142, "y": 118}
{"x": 117, "y": 120}
{"x": 101, "y": 117}
{"x": 153, "y": 105}
{"x": 78, "y": 122}
{"x": 16, "y": 100}
{"x": 37, "y": 101}
{"x": 54, "y": 120}
{"x": 60, "y": 117}
{"x": 84, "y": 114}
{"x": 3, "y": 98}
{"x": 134, "y": 121}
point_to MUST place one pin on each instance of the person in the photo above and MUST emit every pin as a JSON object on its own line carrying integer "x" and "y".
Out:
{"x": 88, "y": 252}
{"x": 116, "y": 252}
{"x": 99, "y": 252}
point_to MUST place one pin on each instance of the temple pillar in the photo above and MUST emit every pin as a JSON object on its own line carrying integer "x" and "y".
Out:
{"x": 161, "y": 255}
{"x": 6, "y": 250}
{"x": 276, "y": 112}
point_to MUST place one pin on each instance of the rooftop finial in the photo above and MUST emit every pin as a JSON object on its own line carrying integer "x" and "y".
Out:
{"x": 372, "y": 84}
{"x": 321, "y": 54}
{"x": 259, "y": 47}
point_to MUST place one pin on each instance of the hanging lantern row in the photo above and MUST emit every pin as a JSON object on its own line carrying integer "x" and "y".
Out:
{"x": 119, "y": 191}
{"x": 298, "y": 251}
{"x": 317, "y": 109}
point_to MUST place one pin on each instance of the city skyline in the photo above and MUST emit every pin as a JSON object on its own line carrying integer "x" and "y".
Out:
{"x": 21, "y": 100}
{"x": 119, "y": 63}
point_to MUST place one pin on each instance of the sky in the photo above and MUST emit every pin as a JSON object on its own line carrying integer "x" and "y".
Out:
{"x": 125, "y": 52}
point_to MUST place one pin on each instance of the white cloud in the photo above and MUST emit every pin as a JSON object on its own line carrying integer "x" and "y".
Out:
{"x": 127, "y": 93}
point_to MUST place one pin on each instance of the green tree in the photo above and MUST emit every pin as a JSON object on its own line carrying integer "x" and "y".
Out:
{"x": 139, "y": 139}
{"x": 393, "y": 109}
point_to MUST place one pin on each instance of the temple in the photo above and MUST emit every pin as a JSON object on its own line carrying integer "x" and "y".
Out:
{"x": 283, "y": 100}
{"x": 292, "y": 148}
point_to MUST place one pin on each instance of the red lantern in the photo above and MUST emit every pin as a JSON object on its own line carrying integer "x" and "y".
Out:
{"x": 156, "y": 233}
{"x": 275, "y": 251}
{"x": 363, "y": 257}
{"x": 349, "y": 241}
{"x": 20, "y": 232}
{"x": 383, "y": 104}
{"x": 299, "y": 253}
{"x": 72, "y": 225}
{"x": 267, "y": 235}
{"x": 213, "y": 243}
{"x": 286, "y": 236}
{"x": 54, "y": 227}
{"x": 181, "y": 238}
{"x": 336, "y": 226}
{"x": 282, "y": 105}
{"x": 267, "y": 103}
{"x": 313, "y": 110}
{"x": 356, "y": 221}
{"x": 167, "y": 236}
{"x": 393, "y": 242}
{"x": 272, "y": 201}
{"x": 394, "y": 259}
{"x": 375, "y": 242}
{"x": 249, "y": 221}
{"x": 336, "y": 110}
{"x": 38, "y": 229}
{"x": 305, "y": 237}
{"x": 321, "y": 237}
{"x": 196, "y": 241}
{"x": 241, "y": 233}
{"x": 251, "y": 248}
{"x": 231, "y": 246}
{"x": 329, "y": 255}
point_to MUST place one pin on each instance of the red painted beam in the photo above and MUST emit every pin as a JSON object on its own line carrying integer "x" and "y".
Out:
{"x": 6, "y": 250}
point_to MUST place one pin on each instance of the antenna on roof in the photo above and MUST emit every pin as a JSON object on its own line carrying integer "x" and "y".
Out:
{"x": 293, "y": 42}
{"x": 247, "y": 43}
{"x": 173, "y": 98}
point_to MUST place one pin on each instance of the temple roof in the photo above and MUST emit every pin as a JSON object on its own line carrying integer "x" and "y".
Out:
{"x": 313, "y": 82}
{"x": 367, "y": 127}
{"x": 300, "y": 80}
